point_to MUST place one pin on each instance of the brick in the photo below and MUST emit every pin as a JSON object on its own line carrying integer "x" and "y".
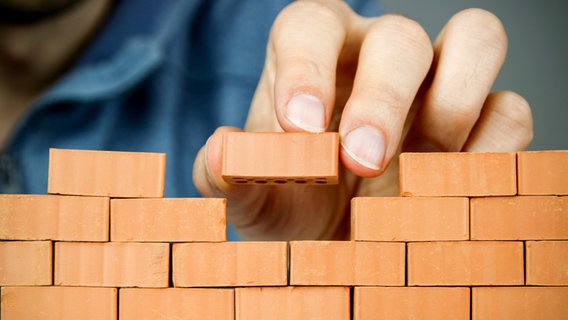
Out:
{"x": 280, "y": 158}
{"x": 168, "y": 220}
{"x": 519, "y": 218}
{"x": 176, "y": 303}
{"x": 106, "y": 173}
{"x": 112, "y": 264}
{"x": 543, "y": 172}
{"x": 520, "y": 303}
{"x": 48, "y": 217}
{"x": 25, "y": 263}
{"x": 457, "y": 174}
{"x": 230, "y": 264}
{"x": 547, "y": 263}
{"x": 465, "y": 263}
{"x": 292, "y": 303}
{"x": 409, "y": 219}
{"x": 347, "y": 263}
{"x": 409, "y": 303}
{"x": 59, "y": 303}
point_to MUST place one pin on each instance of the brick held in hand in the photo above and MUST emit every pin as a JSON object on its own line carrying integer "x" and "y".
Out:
{"x": 466, "y": 263}
{"x": 466, "y": 174}
{"x": 25, "y": 263}
{"x": 59, "y": 303}
{"x": 406, "y": 303}
{"x": 176, "y": 303}
{"x": 347, "y": 263}
{"x": 112, "y": 264}
{"x": 543, "y": 172}
{"x": 519, "y": 218}
{"x": 230, "y": 264}
{"x": 168, "y": 220}
{"x": 50, "y": 217}
{"x": 409, "y": 218}
{"x": 547, "y": 263}
{"x": 106, "y": 173}
{"x": 520, "y": 303}
{"x": 280, "y": 158}
{"x": 292, "y": 303}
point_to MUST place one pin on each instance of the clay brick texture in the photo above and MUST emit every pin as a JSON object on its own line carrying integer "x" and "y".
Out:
{"x": 460, "y": 243}
{"x": 280, "y": 158}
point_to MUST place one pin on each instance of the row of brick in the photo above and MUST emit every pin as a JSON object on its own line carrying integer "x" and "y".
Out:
{"x": 236, "y": 264}
{"x": 484, "y": 174}
{"x": 280, "y": 158}
{"x": 74, "y": 218}
{"x": 280, "y": 303}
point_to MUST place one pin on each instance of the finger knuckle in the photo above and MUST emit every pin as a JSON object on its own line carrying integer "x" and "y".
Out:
{"x": 402, "y": 29}
{"x": 313, "y": 10}
{"x": 461, "y": 112}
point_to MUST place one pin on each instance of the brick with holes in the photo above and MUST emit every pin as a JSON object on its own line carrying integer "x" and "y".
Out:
{"x": 280, "y": 158}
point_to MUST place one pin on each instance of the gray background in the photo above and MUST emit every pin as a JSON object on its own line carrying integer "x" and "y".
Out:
{"x": 537, "y": 58}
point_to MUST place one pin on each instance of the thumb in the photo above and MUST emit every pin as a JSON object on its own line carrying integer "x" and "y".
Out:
{"x": 243, "y": 201}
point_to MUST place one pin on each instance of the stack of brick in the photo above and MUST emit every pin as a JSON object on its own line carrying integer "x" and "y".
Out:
{"x": 467, "y": 240}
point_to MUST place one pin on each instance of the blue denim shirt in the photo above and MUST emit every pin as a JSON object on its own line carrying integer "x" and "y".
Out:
{"x": 159, "y": 76}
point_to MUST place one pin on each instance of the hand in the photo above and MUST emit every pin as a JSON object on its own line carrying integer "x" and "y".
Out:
{"x": 384, "y": 87}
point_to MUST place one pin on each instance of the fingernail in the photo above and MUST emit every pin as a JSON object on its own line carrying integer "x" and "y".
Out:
{"x": 306, "y": 112}
{"x": 366, "y": 146}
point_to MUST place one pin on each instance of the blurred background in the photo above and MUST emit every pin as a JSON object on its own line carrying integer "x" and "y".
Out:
{"x": 537, "y": 59}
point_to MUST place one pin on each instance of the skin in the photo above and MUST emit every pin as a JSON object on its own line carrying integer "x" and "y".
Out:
{"x": 384, "y": 87}
{"x": 379, "y": 82}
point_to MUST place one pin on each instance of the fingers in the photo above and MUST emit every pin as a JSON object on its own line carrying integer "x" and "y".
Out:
{"x": 468, "y": 56}
{"x": 395, "y": 57}
{"x": 305, "y": 43}
{"x": 505, "y": 124}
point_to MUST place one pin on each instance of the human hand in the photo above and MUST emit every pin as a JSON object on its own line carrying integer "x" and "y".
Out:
{"x": 384, "y": 87}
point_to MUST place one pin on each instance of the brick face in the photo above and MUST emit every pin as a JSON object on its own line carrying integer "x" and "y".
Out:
{"x": 346, "y": 263}
{"x": 547, "y": 263}
{"x": 519, "y": 218}
{"x": 543, "y": 172}
{"x": 112, "y": 264}
{"x": 520, "y": 303}
{"x": 50, "y": 217}
{"x": 59, "y": 303}
{"x": 409, "y": 219}
{"x": 292, "y": 303}
{"x": 408, "y": 303}
{"x": 168, "y": 220}
{"x": 25, "y": 263}
{"x": 177, "y": 303}
{"x": 229, "y": 264}
{"x": 457, "y": 174}
{"x": 467, "y": 263}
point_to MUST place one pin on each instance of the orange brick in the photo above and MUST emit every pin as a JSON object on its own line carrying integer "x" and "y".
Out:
{"x": 519, "y": 218}
{"x": 409, "y": 219}
{"x": 346, "y": 263}
{"x": 48, "y": 217}
{"x": 112, "y": 264}
{"x": 25, "y": 263}
{"x": 106, "y": 173}
{"x": 409, "y": 303}
{"x": 59, "y": 303}
{"x": 457, "y": 174}
{"x": 520, "y": 303}
{"x": 543, "y": 172}
{"x": 177, "y": 303}
{"x": 168, "y": 220}
{"x": 279, "y": 158}
{"x": 230, "y": 264}
{"x": 465, "y": 263}
{"x": 547, "y": 263}
{"x": 292, "y": 303}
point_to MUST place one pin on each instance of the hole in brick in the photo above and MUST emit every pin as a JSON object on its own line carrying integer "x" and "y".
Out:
{"x": 260, "y": 181}
{"x": 300, "y": 181}
{"x": 321, "y": 181}
{"x": 280, "y": 181}
{"x": 240, "y": 181}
